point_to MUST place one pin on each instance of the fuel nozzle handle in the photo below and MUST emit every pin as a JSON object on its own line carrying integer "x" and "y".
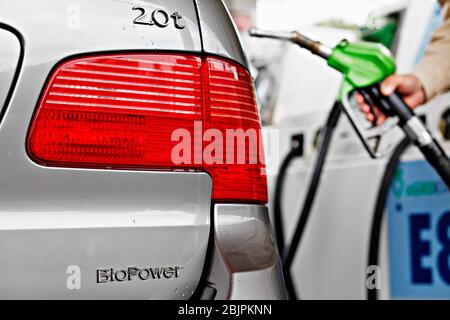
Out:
{"x": 414, "y": 128}
{"x": 296, "y": 37}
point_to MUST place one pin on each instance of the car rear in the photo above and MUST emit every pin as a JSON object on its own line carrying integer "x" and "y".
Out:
{"x": 114, "y": 184}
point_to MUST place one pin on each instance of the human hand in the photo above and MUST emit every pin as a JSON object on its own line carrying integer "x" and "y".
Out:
{"x": 408, "y": 86}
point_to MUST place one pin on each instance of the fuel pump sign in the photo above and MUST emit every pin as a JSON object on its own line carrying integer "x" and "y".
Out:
{"x": 419, "y": 234}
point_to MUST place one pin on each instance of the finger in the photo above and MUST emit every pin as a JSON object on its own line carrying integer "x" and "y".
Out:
{"x": 414, "y": 100}
{"x": 381, "y": 118}
{"x": 377, "y": 112}
{"x": 390, "y": 84}
{"x": 361, "y": 102}
{"x": 364, "y": 108}
{"x": 359, "y": 99}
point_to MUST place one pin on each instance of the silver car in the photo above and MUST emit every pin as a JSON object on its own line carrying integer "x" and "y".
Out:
{"x": 107, "y": 189}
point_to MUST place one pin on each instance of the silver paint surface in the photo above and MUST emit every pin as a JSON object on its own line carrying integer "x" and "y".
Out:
{"x": 53, "y": 218}
{"x": 246, "y": 263}
{"x": 220, "y": 36}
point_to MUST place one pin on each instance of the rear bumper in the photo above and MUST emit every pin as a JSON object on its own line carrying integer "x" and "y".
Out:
{"x": 244, "y": 263}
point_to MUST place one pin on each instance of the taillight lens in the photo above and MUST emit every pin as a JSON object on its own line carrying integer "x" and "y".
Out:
{"x": 232, "y": 109}
{"x": 117, "y": 110}
{"x": 121, "y": 111}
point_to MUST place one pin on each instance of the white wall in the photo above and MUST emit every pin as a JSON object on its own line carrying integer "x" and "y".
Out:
{"x": 290, "y": 14}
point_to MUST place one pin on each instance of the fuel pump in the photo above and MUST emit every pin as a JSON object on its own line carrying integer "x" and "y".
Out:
{"x": 363, "y": 66}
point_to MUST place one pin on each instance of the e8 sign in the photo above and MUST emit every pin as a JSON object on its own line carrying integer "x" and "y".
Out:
{"x": 421, "y": 248}
{"x": 418, "y": 222}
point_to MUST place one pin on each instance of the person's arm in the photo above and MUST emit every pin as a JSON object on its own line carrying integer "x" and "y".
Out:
{"x": 434, "y": 70}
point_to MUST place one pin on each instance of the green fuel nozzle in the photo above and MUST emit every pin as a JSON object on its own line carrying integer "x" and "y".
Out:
{"x": 362, "y": 64}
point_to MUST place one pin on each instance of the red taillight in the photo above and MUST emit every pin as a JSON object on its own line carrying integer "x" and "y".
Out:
{"x": 121, "y": 111}
{"x": 116, "y": 110}
{"x": 231, "y": 109}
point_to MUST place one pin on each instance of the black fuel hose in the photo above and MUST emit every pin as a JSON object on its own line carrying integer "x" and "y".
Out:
{"x": 289, "y": 253}
{"x": 295, "y": 152}
{"x": 378, "y": 214}
{"x": 436, "y": 156}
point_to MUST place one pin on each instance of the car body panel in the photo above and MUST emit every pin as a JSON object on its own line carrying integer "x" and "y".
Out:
{"x": 55, "y": 220}
{"x": 245, "y": 263}
{"x": 219, "y": 34}
{"x": 81, "y": 26}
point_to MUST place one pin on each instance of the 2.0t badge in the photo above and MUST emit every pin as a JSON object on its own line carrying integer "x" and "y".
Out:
{"x": 159, "y": 18}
